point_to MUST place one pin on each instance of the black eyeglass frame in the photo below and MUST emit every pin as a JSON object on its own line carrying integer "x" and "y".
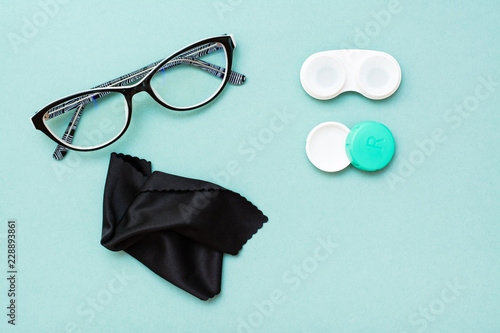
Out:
{"x": 143, "y": 84}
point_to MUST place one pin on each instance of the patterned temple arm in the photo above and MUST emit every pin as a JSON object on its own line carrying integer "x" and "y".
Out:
{"x": 190, "y": 57}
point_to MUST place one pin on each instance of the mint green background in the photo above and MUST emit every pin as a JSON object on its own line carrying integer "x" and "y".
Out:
{"x": 399, "y": 243}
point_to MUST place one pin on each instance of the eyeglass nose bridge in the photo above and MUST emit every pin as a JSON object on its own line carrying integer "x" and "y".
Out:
{"x": 137, "y": 88}
{"x": 134, "y": 93}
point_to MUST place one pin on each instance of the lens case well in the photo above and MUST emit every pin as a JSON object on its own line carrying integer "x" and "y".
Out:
{"x": 325, "y": 146}
{"x": 374, "y": 74}
{"x": 368, "y": 146}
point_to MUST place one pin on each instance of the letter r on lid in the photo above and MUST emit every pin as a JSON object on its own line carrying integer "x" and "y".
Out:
{"x": 373, "y": 143}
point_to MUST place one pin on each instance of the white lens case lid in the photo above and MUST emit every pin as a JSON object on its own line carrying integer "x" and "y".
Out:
{"x": 374, "y": 74}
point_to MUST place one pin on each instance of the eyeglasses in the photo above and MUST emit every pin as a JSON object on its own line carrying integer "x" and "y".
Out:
{"x": 186, "y": 80}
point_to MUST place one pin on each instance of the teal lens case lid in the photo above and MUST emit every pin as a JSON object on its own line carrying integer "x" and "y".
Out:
{"x": 370, "y": 146}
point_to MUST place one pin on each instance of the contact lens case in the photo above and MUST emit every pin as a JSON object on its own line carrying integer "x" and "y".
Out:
{"x": 332, "y": 146}
{"x": 374, "y": 74}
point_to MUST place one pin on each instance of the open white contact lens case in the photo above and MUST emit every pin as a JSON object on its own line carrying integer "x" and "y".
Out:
{"x": 374, "y": 74}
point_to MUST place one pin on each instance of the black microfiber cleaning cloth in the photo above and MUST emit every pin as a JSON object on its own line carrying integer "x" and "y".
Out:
{"x": 178, "y": 227}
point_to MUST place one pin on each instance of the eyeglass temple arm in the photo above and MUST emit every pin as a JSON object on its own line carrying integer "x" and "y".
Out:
{"x": 234, "y": 77}
{"x": 190, "y": 57}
